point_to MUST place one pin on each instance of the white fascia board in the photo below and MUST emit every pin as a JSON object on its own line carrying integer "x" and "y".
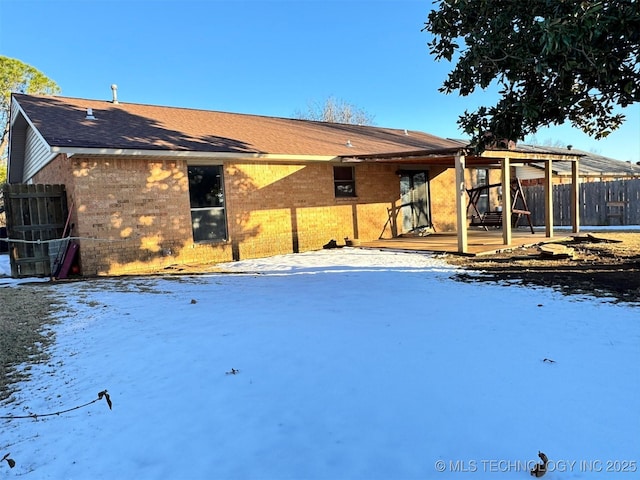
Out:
{"x": 15, "y": 107}
{"x": 70, "y": 151}
{"x": 29, "y": 122}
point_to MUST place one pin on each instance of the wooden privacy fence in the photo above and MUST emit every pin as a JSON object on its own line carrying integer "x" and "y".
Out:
{"x": 36, "y": 218}
{"x": 601, "y": 203}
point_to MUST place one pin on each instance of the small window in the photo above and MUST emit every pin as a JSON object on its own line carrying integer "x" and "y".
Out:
{"x": 344, "y": 181}
{"x": 483, "y": 179}
{"x": 483, "y": 176}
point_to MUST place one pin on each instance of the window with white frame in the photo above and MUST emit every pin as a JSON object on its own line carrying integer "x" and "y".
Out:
{"x": 482, "y": 178}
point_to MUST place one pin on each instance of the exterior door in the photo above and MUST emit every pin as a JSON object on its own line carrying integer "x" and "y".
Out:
{"x": 415, "y": 205}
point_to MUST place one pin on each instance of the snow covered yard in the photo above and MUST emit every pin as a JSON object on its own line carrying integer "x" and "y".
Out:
{"x": 338, "y": 364}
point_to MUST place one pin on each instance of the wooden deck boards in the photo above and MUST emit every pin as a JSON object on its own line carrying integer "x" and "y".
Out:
{"x": 480, "y": 242}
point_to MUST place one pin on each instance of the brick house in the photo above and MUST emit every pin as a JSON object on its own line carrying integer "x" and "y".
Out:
{"x": 150, "y": 186}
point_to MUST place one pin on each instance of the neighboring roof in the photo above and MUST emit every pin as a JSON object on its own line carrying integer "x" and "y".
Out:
{"x": 591, "y": 164}
{"x": 62, "y": 123}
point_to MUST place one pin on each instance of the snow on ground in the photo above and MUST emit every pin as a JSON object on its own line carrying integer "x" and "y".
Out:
{"x": 5, "y": 268}
{"x": 5, "y": 274}
{"x": 349, "y": 364}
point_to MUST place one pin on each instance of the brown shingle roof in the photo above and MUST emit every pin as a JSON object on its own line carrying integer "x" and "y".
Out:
{"x": 62, "y": 122}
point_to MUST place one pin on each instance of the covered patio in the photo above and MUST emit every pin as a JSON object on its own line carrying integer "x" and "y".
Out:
{"x": 465, "y": 240}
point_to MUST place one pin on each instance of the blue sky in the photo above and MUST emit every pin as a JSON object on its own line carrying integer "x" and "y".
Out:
{"x": 267, "y": 57}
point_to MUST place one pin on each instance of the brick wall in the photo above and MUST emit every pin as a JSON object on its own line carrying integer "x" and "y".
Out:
{"x": 274, "y": 209}
{"x": 133, "y": 214}
{"x": 443, "y": 199}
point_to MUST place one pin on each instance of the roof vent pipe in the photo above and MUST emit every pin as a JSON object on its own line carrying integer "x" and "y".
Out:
{"x": 114, "y": 89}
{"x": 90, "y": 114}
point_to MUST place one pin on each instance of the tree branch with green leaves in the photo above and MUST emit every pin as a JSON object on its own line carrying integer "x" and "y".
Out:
{"x": 18, "y": 77}
{"x": 553, "y": 61}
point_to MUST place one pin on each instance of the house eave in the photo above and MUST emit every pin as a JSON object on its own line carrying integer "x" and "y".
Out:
{"x": 586, "y": 171}
{"x": 15, "y": 163}
{"x": 445, "y": 156}
{"x": 143, "y": 153}
{"x": 530, "y": 156}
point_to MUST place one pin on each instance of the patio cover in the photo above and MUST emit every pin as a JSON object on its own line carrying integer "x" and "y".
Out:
{"x": 462, "y": 158}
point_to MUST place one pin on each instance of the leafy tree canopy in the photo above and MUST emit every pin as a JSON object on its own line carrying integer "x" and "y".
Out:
{"x": 18, "y": 77}
{"x": 553, "y": 60}
{"x": 333, "y": 110}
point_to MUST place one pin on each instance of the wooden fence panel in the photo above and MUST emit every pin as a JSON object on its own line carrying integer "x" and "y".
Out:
{"x": 601, "y": 203}
{"x": 35, "y": 215}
